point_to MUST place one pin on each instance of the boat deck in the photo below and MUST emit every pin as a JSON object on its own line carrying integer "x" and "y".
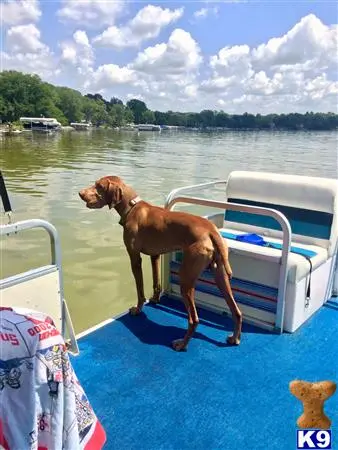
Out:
{"x": 213, "y": 396}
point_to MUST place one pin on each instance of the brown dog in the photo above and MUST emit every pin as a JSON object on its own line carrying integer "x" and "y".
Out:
{"x": 153, "y": 231}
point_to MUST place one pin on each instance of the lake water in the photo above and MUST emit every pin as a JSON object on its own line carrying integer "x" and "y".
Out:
{"x": 44, "y": 173}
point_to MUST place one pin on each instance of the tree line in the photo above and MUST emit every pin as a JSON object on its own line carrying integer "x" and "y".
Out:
{"x": 27, "y": 95}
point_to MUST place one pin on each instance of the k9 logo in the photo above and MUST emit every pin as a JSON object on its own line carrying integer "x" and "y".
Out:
{"x": 314, "y": 439}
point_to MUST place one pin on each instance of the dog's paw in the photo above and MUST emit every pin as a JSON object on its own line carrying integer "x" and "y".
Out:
{"x": 178, "y": 345}
{"x": 134, "y": 311}
{"x": 155, "y": 298}
{"x": 232, "y": 340}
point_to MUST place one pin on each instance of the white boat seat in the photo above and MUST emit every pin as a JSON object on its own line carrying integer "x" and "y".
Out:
{"x": 265, "y": 297}
{"x": 298, "y": 265}
{"x": 309, "y": 204}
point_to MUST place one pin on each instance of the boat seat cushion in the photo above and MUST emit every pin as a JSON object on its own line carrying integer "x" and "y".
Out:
{"x": 298, "y": 265}
{"x": 309, "y": 204}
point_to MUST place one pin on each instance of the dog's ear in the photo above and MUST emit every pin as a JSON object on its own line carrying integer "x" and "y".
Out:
{"x": 112, "y": 191}
{"x": 114, "y": 195}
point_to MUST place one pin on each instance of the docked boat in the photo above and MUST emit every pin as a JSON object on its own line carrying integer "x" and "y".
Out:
{"x": 282, "y": 234}
{"x": 128, "y": 127}
{"x": 148, "y": 127}
{"x": 41, "y": 124}
{"x": 10, "y": 132}
{"x": 82, "y": 126}
{"x": 170, "y": 127}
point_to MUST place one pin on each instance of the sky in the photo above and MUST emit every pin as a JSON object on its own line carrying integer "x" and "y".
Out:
{"x": 237, "y": 56}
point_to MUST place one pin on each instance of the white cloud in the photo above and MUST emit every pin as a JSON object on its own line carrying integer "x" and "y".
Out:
{"x": 136, "y": 96}
{"x": 242, "y": 78}
{"x": 24, "y": 51}
{"x": 42, "y": 63}
{"x": 321, "y": 87}
{"x": 156, "y": 73}
{"x": 283, "y": 74}
{"x": 77, "y": 53}
{"x": 81, "y": 38}
{"x": 179, "y": 55}
{"x": 15, "y": 12}
{"x": 24, "y": 39}
{"x": 69, "y": 54}
{"x": 147, "y": 24}
{"x": 296, "y": 71}
{"x": 218, "y": 84}
{"x": 191, "y": 90}
{"x": 168, "y": 72}
{"x": 308, "y": 41}
{"x": 278, "y": 84}
{"x": 91, "y": 13}
{"x": 109, "y": 75}
{"x": 231, "y": 61}
{"x": 204, "y": 12}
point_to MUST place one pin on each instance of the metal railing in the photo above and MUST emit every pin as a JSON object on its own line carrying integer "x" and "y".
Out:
{"x": 14, "y": 228}
{"x": 174, "y": 192}
{"x": 174, "y": 198}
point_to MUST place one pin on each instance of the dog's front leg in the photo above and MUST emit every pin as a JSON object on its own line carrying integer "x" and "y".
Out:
{"x": 136, "y": 266}
{"x": 155, "y": 266}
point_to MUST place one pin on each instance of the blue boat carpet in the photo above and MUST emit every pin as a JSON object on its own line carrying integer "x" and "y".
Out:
{"x": 149, "y": 397}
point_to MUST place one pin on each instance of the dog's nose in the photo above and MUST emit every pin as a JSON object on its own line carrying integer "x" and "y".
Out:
{"x": 82, "y": 194}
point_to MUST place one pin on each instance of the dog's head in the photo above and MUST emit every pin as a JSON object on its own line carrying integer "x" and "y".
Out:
{"x": 106, "y": 191}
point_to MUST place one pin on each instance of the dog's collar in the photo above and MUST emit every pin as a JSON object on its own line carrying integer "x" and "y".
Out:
{"x": 134, "y": 201}
{"x": 131, "y": 204}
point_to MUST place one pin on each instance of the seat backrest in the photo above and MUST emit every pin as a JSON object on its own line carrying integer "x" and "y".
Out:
{"x": 309, "y": 203}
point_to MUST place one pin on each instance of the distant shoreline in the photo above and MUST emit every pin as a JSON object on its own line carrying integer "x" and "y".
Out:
{"x": 210, "y": 129}
{"x": 27, "y": 95}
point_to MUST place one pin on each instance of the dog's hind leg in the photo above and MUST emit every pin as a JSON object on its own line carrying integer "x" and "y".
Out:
{"x": 223, "y": 284}
{"x": 155, "y": 266}
{"x": 194, "y": 262}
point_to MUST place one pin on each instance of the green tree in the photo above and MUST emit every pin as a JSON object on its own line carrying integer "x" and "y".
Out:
{"x": 161, "y": 118}
{"x": 70, "y": 103}
{"x": 95, "y": 97}
{"x": 88, "y": 107}
{"x": 193, "y": 120}
{"x": 128, "y": 115}
{"x": 207, "y": 118}
{"x": 115, "y": 101}
{"x": 222, "y": 120}
{"x": 177, "y": 119}
{"x": 3, "y": 109}
{"x": 48, "y": 104}
{"x": 148, "y": 117}
{"x": 22, "y": 95}
{"x": 138, "y": 108}
{"x": 100, "y": 116}
{"x": 116, "y": 114}
{"x": 249, "y": 121}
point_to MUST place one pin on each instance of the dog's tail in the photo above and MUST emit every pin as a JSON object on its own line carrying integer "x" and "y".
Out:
{"x": 221, "y": 252}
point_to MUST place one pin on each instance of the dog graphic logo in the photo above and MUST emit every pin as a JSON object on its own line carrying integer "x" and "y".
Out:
{"x": 314, "y": 424}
